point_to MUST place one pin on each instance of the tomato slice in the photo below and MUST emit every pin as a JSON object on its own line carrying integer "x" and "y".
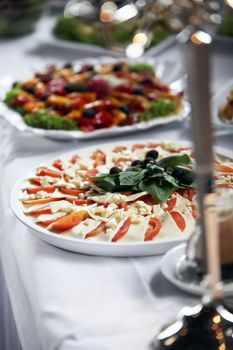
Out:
{"x": 38, "y": 189}
{"x": 119, "y": 149}
{"x": 29, "y": 202}
{"x": 153, "y": 229}
{"x": 147, "y": 199}
{"x": 47, "y": 223}
{"x": 79, "y": 201}
{"x": 225, "y": 185}
{"x": 41, "y": 212}
{"x": 119, "y": 160}
{"x": 179, "y": 220}
{"x": 171, "y": 203}
{"x": 187, "y": 193}
{"x": 47, "y": 172}
{"x": 123, "y": 205}
{"x": 57, "y": 164}
{"x": 99, "y": 229}
{"x": 91, "y": 172}
{"x": 223, "y": 168}
{"x": 70, "y": 191}
{"x": 69, "y": 221}
{"x": 138, "y": 146}
{"x": 122, "y": 230}
{"x": 35, "y": 181}
{"x": 194, "y": 212}
{"x": 74, "y": 159}
{"x": 99, "y": 157}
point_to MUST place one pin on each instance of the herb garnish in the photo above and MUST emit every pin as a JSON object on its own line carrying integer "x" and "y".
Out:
{"x": 158, "y": 108}
{"x": 156, "y": 179}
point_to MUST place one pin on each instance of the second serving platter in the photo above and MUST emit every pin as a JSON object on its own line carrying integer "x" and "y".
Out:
{"x": 167, "y": 71}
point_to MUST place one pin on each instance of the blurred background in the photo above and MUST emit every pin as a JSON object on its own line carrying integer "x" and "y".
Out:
{"x": 111, "y": 24}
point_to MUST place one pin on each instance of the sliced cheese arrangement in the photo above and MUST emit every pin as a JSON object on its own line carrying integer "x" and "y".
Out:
{"x": 118, "y": 194}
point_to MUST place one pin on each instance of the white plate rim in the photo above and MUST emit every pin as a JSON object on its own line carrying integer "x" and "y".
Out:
{"x": 191, "y": 288}
{"x": 15, "y": 119}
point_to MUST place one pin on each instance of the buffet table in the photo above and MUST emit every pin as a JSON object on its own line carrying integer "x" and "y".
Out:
{"x": 61, "y": 300}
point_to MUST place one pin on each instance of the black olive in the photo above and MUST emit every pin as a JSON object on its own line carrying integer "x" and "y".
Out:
{"x": 117, "y": 67}
{"x": 87, "y": 68}
{"x": 44, "y": 97}
{"x": 152, "y": 154}
{"x": 146, "y": 161}
{"x": 15, "y": 84}
{"x": 89, "y": 113}
{"x": 184, "y": 176}
{"x": 29, "y": 89}
{"x": 114, "y": 171}
{"x": 68, "y": 65}
{"x": 137, "y": 163}
{"x": 146, "y": 81}
{"x": 75, "y": 87}
{"x": 124, "y": 109}
{"x": 138, "y": 91}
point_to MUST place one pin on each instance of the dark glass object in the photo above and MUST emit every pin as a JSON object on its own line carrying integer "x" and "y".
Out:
{"x": 203, "y": 327}
{"x": 19, "y": 17}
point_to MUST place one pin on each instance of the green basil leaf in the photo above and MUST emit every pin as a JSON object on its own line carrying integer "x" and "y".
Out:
{"x": 108, "y": 184}
{"x": 129, "y": 178}
{"x": 158, "y": 192}
{"x": 97, "y": 189}
{"x": 174, "y": 161}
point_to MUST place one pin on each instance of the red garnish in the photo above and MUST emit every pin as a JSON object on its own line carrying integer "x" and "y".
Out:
{"x": 99, "y": 86}
{"x": 179, "y": 220}
{"x": 154, "y": 227}
{"x": 47, "y": 172}
{"x": 122, "y": 230}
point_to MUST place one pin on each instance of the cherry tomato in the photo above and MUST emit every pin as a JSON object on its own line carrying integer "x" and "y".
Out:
{"x": 103, "y": 120}
{"x": 19, "y": 101}
{"x": 125, "y": 88}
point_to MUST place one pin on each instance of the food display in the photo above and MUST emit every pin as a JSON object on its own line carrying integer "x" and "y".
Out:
{"x": 118, "y": 194}
{"x": 19, "y": 17}
{"x": 80, "y": 31}
{"x": 87, "y": 97}
{"x": 226, "y": 110}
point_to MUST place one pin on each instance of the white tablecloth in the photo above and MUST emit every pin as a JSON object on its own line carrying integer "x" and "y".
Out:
{"x": 62, "y": 300}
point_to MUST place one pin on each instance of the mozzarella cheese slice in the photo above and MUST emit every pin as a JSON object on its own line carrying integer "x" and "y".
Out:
{"x": 136, "y": 232}
{"x": 81, "y": 230}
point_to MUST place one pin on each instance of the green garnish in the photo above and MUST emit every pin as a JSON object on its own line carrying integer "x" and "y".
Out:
{"x": 76, "y": 87}
{"x": 12, "y": 93}
{"x": 159, "y": 108}
{"x": 140, "y": 67}
{"x": 43, "y": 120}
{"x": 77, "y": 30}
{"x": 226, "y": 27}
{"x": 156, "y": 179}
